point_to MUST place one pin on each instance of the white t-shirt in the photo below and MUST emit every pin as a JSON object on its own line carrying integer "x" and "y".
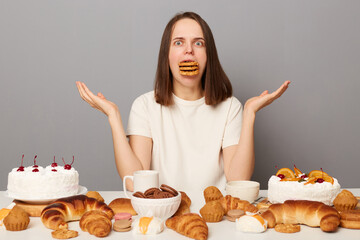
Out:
{"x": 187, "y": 138}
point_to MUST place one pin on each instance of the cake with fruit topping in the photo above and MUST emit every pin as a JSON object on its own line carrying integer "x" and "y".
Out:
{"x": 295, "y": 185}
{"x": 36, "y": 182}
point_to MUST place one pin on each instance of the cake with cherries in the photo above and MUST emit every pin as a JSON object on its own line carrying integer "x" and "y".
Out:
{"x": 295, "y": 185}
{"x": 36, "y": 182}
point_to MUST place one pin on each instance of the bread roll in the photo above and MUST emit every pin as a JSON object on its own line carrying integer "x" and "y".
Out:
{"x": 56, "y": 215}
{"x": 310, "y": 213}
{"x": 122, "y": 205}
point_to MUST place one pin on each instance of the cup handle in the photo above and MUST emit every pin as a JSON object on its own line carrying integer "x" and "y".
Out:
{"x": 124, "y": 184}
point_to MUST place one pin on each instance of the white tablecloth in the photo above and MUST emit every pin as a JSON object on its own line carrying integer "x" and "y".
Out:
{"x": 223, "y": 230}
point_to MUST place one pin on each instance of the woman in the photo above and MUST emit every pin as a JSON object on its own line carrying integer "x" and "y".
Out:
{"x": 190, "y": 128}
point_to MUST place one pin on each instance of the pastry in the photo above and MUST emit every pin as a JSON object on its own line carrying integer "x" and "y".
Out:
{"x": 212, "y": 212}
{"x": 190, "y": 225}
{"x": 265, "y": 203}
{"x": 212, "y": 193}
{"x": 122, "y": 225}
{"x": 56, "y": 215}
{"x": 64, "y": 234}
{"x": 287, "y": 228}
{"x": 185, "y": 198}
{"x": 184, "y": 205}
{"x": 34, "y": 210}
{"x": 17, "y": 219}
{"x": 233, "y": 214}
{"x": 183, "y": 208}
{"x": 164, "y": 191}
{"x": 295, "y": 185}
{"x": 345, "y": 200}
{"x": 148, "y": 225}
{"x": 251, "y": 223}
{"x": 228, "y": 202}
{"x": 96, "y": 195}
{"x": 96, "y": 223}
{"x": 350, "y": 219}
{"x": 310, "y": 213}
{"x": 189, "y": 68}
{"x": 119, "y": 205}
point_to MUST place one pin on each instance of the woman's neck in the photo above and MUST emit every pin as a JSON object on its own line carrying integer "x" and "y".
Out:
{"x": 189, "y": 94}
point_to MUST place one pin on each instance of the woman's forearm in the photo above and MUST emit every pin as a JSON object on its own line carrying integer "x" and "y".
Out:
{"x": 125, "y": 159}
{"x": 242, "y": 163}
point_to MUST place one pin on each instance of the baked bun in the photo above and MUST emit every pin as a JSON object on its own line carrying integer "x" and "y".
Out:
{"x": 96, "y": 195}
{"x": 212, "y": 193}
{"x": 228, "y": 203}
{"x": 350, "y": 219}
{"x": 17, "y": 219}
{"x": 345, "y": 200}
{"x": 212, "y": 211}
{"x": 311, "y": 213}
{"x": 122, "y": 205}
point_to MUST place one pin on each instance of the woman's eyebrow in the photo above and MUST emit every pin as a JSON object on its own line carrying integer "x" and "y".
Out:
{"x": 181, "y": 38}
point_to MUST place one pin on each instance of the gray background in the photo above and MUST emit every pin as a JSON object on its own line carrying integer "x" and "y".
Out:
{"x": 45, "y": 46}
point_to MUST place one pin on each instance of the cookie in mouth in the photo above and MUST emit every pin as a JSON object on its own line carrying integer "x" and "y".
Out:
{"x": 189, "y": 68}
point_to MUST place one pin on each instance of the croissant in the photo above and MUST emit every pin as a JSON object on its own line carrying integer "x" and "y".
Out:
{"x": 56, "y": 215}
{"x": 229, "y": 203}
{"x": 310, "y": 213}
{"x": 190, "y": 225}
{"x": 96, "y": 223}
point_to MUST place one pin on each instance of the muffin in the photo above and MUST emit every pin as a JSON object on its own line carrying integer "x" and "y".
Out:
{"x": 212, "y": 193}
{"x": 345, "y": 201}
{"x": 212, "y": 212}
{"x": 17, "y": 219}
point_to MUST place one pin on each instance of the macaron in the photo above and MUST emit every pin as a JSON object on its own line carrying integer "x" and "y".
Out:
{"x": 122, "y": 225}
{"x": 123, "y": 215}
{"x": 233, "y": 214}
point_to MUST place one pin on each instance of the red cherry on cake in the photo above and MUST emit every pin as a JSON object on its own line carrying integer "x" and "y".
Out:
{"x": 303, "y": 176}
{"x": 320, "y": 180}
{"x": 35, "y": 166}
{"x": 35, "y": 170}
{"x": 54, "y": 164}
{"x": 21, "y": 168}
{"x": 54, "y": 170}
{"x": 68, "y": 166}
{"x": 282, "y": 176}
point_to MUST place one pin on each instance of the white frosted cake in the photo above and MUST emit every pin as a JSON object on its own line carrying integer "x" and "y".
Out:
{"x": 280, "y": 191}
{"x": 46, "y": 183}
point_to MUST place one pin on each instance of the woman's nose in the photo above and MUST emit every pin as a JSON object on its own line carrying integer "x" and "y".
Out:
{"x": 189, "y": 49}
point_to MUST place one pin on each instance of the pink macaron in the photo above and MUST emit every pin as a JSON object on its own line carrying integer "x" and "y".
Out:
{"x": 123, "y": 215}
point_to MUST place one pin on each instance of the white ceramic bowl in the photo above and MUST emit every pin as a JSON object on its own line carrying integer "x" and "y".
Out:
{"x": 245, "y": 190}
{"x": 162, "y": 208}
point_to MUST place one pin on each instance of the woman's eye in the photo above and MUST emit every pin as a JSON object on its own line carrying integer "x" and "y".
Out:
{"x": 198, "y": 43}
{"x": 177, "y": 43}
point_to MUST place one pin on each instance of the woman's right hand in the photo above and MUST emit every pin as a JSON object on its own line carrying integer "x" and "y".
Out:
{"x": 98, "y": 101}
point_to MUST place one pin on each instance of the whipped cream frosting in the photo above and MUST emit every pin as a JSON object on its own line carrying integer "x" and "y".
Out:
{"x": 44, "y": 184}
{"x": 280, "y": 191}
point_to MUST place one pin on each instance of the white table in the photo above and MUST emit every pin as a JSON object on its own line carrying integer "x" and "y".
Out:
{"x": 223, "y": 230}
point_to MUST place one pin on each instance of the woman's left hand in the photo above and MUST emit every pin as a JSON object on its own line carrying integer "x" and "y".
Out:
{"x": 254, "y": 104}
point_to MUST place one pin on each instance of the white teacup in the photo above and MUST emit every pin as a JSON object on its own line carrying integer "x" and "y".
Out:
{"x": 245, "y": 190}
{"x": 142, "y": 180}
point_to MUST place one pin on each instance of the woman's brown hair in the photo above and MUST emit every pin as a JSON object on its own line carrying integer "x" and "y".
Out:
{"x": 216, "y": 84}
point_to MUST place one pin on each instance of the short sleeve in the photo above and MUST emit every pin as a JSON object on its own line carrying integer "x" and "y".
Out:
{"x": 233, "y": 124}
{"x": 139, "y": 118}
